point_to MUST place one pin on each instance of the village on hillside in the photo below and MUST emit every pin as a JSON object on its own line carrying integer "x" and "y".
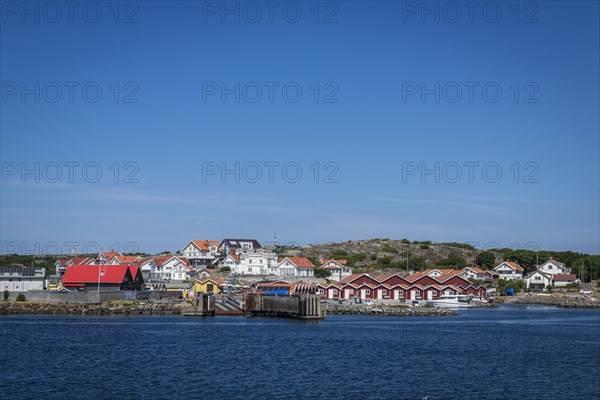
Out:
{"x": 241, "y": 266}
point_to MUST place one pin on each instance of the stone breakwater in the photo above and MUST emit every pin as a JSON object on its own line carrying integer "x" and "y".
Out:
{"x": 22, "y": 308}
{"x": 381, "y": 310}
{"x": 562, "y": 302}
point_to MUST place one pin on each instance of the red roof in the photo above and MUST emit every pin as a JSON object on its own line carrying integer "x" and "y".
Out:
{"x": 564, "y": 277}
{"x": 205, "y": 244}
{"x": 93, "y": 273}
{"x": 301, "y": 262}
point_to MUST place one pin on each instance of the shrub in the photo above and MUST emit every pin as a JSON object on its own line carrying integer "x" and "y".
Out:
{"x": 389, "y": 249}
{"x": 21, "y": 297}
{"x": 6, "y": 294}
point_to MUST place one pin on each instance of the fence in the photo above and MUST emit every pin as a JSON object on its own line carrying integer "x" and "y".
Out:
{"x": 73, "y": 297}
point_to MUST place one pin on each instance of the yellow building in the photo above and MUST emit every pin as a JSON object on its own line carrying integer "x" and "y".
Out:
{"x": 208, "y": 285}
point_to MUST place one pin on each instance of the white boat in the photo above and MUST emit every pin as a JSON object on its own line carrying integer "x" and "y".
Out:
{"x": 452, "y": 301}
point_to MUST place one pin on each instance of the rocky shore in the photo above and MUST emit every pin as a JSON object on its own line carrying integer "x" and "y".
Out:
{"x": 384, "y": 310}
{"x": 562, "y": 301}
{"x": 141, "y": 308}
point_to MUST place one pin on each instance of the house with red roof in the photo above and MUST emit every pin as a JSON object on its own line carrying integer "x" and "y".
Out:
{"x": 202, "y": 252}
{"x": 474, "y": 272}
{"x": 103, "y": 277}
{"x": 559, "y": 280}
{"x": 337, "y": 268}
{"x": 171, "y": 268}
{"x": 510, "y": 270}
{"x": 295, "y": 266}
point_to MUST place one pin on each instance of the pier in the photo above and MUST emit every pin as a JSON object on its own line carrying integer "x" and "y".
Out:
{"x": 203, "y": 305}
{"x": 301, "y": 306}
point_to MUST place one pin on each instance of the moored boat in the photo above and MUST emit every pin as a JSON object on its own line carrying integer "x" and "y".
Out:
{"x": 452, "y": 301}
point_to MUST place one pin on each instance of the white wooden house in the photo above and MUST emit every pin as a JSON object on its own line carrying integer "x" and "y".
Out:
{"x": 202, "y": 252}
{"x": 295, "y": 266}
{"x": 509, "y": 270}
{"x": 337, "y": 268}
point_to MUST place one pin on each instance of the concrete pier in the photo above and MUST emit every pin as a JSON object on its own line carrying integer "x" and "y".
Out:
{"x": 202, "y": 306}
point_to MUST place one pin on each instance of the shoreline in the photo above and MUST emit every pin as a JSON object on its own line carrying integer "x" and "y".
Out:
{"x": 560, "y": 301}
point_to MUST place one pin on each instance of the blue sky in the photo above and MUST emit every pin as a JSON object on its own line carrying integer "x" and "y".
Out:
{"x": 365, "y": 124}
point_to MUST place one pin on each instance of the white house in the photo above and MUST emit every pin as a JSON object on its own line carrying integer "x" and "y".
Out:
{"x": 554, "y": 267}
{"x": 168, "y": 268}
{"x": 106, "y": 257}
{"x": 227, "y": 245}
{"x": 202, "y": 252}
{"x": 538, "y": 280}
{"x": 559, "y": 280}
{"x": 19, "y": 279}
{"x": 337, "y": 269}
{"x": 295, "y": 266}
{"x": 474, "y": 272}
{"x": 509, "y": 270}
{"x": 251, "y": 262}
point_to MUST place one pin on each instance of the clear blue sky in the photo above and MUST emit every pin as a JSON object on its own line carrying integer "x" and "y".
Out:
{"x": 369, "y": 61}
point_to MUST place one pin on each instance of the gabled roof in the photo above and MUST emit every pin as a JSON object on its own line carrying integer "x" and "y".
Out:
{"x": 216, "y": 281}
{"x": 62, "y": 262}
{"x": 81, "y": 260}
{"x": 353, "y": 277}
{"x": 539, "y": 271}
{"x": 385, "y": 277}
{"x": 514, "y": 265}
{"x": 475, "y": 269}
{"x": 300, "y": 262}
{"x": 127, "y": 259}
{"x": 109, "y": 254}
{"x": 555, "y": 262}
{"x": 205, "y": 244}
{"x": 340, "y": 262}
{"x": 94, "y": 273}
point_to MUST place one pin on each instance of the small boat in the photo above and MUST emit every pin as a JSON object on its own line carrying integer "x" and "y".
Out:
{"x": 452, "y": 301}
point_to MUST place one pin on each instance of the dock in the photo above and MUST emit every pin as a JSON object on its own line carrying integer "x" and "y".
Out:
{"x": 203, "y": 305}
{"x": 300, "y": 306}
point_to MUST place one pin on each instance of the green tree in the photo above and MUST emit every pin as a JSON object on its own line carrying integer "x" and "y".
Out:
{"x": 21, "y": 297}
{"x": 6, "y": 294}
{"x": 225, "y": 269}
{"x": 453, "y": 260}
{"x": 485, "y": 259}
{"x": 322, "y": 273}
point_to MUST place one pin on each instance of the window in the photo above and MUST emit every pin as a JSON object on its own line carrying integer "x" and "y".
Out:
{"x": 334, "y": 291}
{"x": 209, "y": 287}
{"x": 550, "y": 266}
{"x": 367, "y": 291}
{"x": 321, "y": 291}
{"x": 537, "y": 278}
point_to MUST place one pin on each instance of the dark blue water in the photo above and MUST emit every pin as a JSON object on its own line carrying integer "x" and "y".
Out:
{"x": 504, "y": 353}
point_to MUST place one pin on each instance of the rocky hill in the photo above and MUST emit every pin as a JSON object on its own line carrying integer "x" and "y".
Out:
{"x": 386, "y": 255}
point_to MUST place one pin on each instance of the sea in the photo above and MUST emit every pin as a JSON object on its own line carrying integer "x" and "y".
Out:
{"x": 506, "y": 352}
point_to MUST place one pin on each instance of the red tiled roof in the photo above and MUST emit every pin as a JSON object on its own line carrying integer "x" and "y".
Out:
{"x": 110, "y": 254}
{"x": 341, "y": 262}
{"x": 564, "y": 277}
{"x": 352, "y": 277}
{"x": 205, "y": 244}
{"x": 513, "y": 265}
{"x": 93, "y": 273}
{"x": 301, "y": 262}
{"x": 127, "y": 259}
{"x": 213, "y": 280}
{"x": 475, "y": 269}
{"x": 81, "y": 260}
